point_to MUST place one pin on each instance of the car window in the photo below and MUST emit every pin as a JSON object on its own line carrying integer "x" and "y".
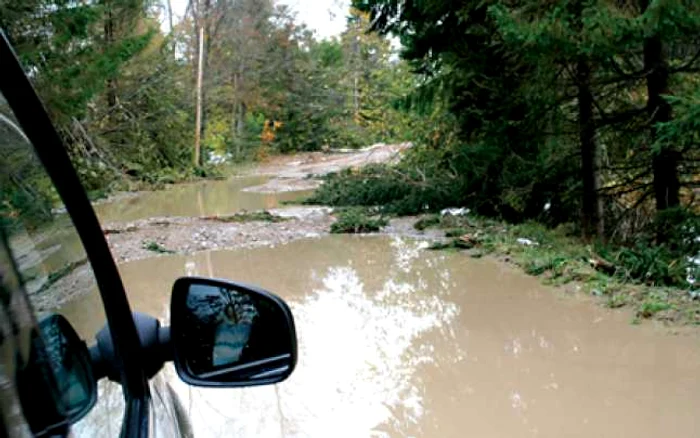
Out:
{"x": 48, "y": 253}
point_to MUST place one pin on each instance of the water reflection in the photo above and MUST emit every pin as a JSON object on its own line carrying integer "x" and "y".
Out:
{"x": 395, "y": 341}
{"x": 206, "y": 198}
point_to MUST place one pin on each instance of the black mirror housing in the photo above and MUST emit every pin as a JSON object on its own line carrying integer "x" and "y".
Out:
{"x": 227, "y": 334}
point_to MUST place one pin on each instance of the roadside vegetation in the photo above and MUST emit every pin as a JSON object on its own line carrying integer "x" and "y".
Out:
{"x": 646, "y": 278}
{"x": 153, "y": 246}
{"x": 571, "y": 126}
{"x": 255, "y": 216}
{"x": 354, "y": 220}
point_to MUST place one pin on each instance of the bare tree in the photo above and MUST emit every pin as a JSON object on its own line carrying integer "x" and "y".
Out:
{"x": 198, "y": 117}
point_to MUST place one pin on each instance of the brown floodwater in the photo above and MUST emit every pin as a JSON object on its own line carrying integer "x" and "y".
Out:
{"x": 205, "y": 198}
{"x": 397, "y": 341}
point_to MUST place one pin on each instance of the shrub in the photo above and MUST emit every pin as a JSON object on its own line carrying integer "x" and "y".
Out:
{"x": 357, "y": 220}
{"x": 427, "y": 222}
{"x": 383, "y": 186}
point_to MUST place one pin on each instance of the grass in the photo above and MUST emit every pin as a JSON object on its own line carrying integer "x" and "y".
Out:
{"x": 427, "y": 222}
{"x": 559, "y": 258}
{"x": 255, "y": 216}
{"x": 156, "y": 247}
{"x": 651, "y": 308}
{"x": 616, "y": 300}
{"x": 357, "y": 220}
{"x": 455, "y": 232}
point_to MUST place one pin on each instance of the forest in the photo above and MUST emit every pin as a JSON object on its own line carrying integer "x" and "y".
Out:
{"x": 142, "y": 96}
{"x": 580, "y": 115}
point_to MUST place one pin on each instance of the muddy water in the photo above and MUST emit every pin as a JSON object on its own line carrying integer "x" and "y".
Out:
{"x": 396, "y": 341}
{"x": 205, "y": 198}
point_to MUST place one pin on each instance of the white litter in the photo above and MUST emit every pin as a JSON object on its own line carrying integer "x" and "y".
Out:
{"x": 455, "y": 212}
{"x": 527, "y": 242}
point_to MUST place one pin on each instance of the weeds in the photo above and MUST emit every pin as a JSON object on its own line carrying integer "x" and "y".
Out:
{"x": 357, "y": 220}
{"x": 427, "y": 222}
{"x": 455, "y": 232}
{"x": 615, "y": 301}
{"x": 395, "y": 192}
{"x": 256, "y": 216}
{"x": 156, "y": 247}
{"x": 650, "y": 308}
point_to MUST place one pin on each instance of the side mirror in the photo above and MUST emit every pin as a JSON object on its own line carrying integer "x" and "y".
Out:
{"x": 230, "y": 335}
{"x": 60, "y": 385}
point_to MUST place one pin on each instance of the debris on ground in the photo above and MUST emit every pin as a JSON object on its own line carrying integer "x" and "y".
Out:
{"x": 455, "y": 212}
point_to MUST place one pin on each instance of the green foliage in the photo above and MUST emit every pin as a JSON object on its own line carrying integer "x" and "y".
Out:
{"x": 652, "y": 307}
{"x": 663, "y": 264}
{"x": 453, "y": 244}
{"x": 156, "y": 247}
{"x": 63, "y": 44}
{"x": 515, "y": 138}
{"x": 357, "y": 220}
{"x": 651, "y": 264}
{"x": 121, "y": 91}
{"x": 455, "y": 232}
{"x": 427, "y": 222}
{"x": 369, "y": 186}
{"x": 615, "y": 301}
{"x": 26, "y": 194}
{"x": 385, "y": 187}
{"x": 256, "y": 216}
{"x": 119, "y": 98}
{"x": 342, "y": 93}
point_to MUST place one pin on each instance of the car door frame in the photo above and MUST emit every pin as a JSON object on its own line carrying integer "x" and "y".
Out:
{"x": 48, "y": 146}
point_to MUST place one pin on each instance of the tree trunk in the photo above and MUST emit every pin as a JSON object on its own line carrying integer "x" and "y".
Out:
{"x": 169, "y": 7}
{"x": 205, "y": 70}
{"x": 665, "y": 162}
{"x": 356, "y": 97}
{"x": 234, "y": 116}
{"x": 592, "y": 217}
{"x": 198, "y": 114}
{"x": 240, "y": 126}
{"x": 593, "y": 211}
{"x": 109, "y": 40}
{"x": 356, "y": 74}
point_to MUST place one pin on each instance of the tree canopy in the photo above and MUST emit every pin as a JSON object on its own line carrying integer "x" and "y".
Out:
{"x": 564, "y": 110}
{"x": 121, "y": 85}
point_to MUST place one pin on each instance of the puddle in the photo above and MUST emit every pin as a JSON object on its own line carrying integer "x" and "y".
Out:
{"x": 395, "y": 341}
{"x": 206, "y": 198}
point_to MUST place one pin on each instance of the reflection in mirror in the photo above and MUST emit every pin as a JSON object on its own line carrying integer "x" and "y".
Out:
{"x": 60, "y": 386}
{"x": 231, "y": 335}
{"x": 69, "y": 360}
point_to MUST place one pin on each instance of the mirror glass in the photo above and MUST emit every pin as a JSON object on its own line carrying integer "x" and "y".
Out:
{"x": 228, "y": 333}
{"x": 69, "y": 359}
{"x": 57, "y": 386}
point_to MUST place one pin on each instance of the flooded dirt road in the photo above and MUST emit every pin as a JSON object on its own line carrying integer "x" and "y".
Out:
{"x": 206, "y": 198}
{"x": 189, "y": 218}
{"x": 396, "y": 341}
{"x": 265, "y": 186}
